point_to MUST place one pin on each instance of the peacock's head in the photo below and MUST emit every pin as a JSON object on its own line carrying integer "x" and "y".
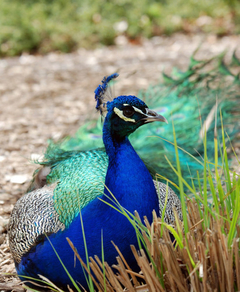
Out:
{"x": 125, "y": 113}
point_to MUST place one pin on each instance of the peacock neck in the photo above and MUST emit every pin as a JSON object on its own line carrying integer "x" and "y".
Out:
{"x": 127, "y": 177}
{"x": 118, "y": 148}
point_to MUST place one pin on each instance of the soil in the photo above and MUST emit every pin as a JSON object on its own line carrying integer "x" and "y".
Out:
{"x": 44, "y": 97}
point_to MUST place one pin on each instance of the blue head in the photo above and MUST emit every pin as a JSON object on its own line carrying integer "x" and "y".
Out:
{"x": 125, "y": 113}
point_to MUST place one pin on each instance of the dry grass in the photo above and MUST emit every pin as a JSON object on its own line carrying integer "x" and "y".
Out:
{"x": 203, "y": 263}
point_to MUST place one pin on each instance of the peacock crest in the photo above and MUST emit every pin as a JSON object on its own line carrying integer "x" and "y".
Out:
{"x": 103, "y": 93}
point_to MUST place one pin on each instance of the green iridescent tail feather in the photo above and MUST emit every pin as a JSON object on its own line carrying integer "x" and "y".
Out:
{"x": 189, "y": 100}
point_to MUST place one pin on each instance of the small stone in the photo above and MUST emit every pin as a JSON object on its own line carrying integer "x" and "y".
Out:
{"x": 2, "y": 158}
{"x": 17, "y": 178}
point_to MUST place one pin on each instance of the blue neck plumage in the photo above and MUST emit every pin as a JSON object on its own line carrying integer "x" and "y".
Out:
{"x": 127, "y": 177}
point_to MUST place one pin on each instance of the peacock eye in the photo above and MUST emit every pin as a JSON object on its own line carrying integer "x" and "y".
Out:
{"x": 128, "y": 111}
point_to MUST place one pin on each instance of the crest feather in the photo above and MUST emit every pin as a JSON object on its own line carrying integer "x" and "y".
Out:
{"x": 103, "y": 93}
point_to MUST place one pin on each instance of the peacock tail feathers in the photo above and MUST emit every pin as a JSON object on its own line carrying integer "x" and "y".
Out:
{"x": 189, "y": 100}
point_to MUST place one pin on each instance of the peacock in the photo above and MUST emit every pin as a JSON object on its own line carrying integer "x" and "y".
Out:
{"x": 188, "y": 99}
{"x": 81, "y": 196}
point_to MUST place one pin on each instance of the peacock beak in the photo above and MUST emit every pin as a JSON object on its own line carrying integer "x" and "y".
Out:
{"x": 152, "y": 116}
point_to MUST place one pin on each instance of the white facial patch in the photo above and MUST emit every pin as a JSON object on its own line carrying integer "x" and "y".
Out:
{"x": 138, "y": 110}
{"x": 121, "y": 115}
{"x": 135, "y": 108}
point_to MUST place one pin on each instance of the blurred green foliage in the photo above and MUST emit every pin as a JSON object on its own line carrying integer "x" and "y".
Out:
{"x": 41, "y": 26}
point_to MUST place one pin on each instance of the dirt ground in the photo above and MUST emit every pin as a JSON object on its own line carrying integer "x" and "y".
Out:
{"x": 50, "y": 96}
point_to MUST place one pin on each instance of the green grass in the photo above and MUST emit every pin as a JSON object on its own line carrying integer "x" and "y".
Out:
{"x": 44, "y": 26}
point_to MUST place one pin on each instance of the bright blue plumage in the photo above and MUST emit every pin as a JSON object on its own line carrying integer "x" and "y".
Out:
{"x": 127, "y": 178}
